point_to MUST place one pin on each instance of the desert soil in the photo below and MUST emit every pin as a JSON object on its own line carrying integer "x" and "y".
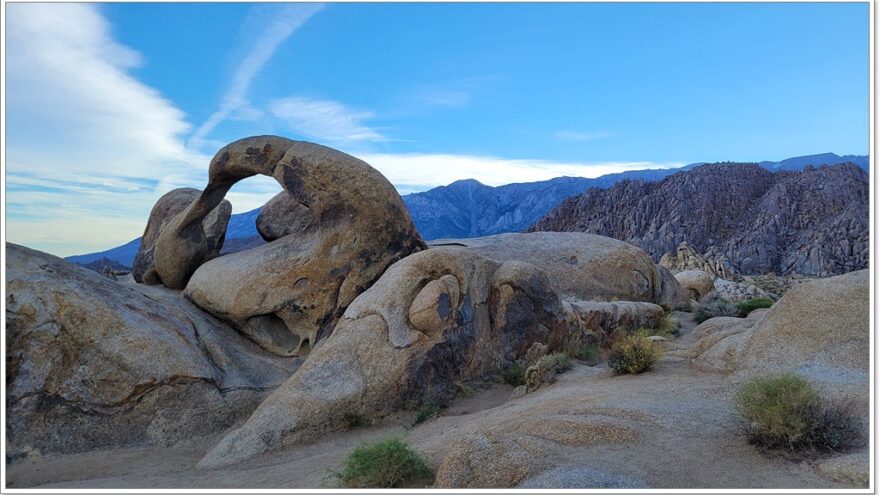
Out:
{"x": 689, "y": 437}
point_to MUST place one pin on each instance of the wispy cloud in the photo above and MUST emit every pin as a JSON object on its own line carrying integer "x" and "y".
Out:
{"x": 568, "y": 135}
{"x": 325, "y": 120}
{"x": 447, "y": 98}
{"x": 88, "y": 145}
{"x": 275, "y": 23}
{"x": 70, "y": 89}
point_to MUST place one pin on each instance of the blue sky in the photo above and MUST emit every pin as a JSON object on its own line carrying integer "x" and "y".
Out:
{"x": 111, "y": 105}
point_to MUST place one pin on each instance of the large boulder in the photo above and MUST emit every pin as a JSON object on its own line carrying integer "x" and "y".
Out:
{"x": 340, "y": 222}
{"x": 93, "y": 363}
{"x": 672, "y": 294}
{"x": 169, "y": 205}
{"x": 437, "y": 317}
{"x": 819, "y": 329}
{"x": 582, "y": 266}
{"x": 697, "y": 283}
{"x": 283, "y": 215}
{"x": 819, "y": 325}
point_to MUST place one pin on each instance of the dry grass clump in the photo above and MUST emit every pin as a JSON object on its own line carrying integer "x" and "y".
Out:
{"x": 786, "y": 413}
{"x": 634, "y": 354}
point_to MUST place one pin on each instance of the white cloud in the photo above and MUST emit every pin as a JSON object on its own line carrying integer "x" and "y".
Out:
{"x": 275, "y": 23}
{"x": 69, "y": 89}
{"x": 88, "y": 145}
{"x": 567, "y": 135}
{"x": 325, "y": 120}
{"x": 409, "y": 172}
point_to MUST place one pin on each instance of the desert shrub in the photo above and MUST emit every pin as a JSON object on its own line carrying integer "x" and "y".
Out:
{"x": 560, "y": 361}
{"x": 746, "y": 307}
{"x": 464, "y": 389}
{"x": 358, "y": 420}
{"x": 712, "y": 305}
{"x": 389, "y": 463}
{"x": 546, "y": 369}
{"x": 516, "y": 374}
{"x": 586, "y": 352}
{"x": 634, "y": 354}
{"x": 785, "y": 412}
{"x": 667, "y": 326}
{"x": 426, "y": 412}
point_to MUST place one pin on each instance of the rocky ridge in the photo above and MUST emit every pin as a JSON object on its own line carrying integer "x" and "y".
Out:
{"x": 811, "y": 222}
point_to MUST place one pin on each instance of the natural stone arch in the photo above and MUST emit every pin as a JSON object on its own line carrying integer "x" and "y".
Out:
{"x": 287, "y": 294}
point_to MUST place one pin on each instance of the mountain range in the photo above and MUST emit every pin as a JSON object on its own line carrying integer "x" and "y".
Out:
{"x": 468, "y": 208}
{"x": 812, "y": 221}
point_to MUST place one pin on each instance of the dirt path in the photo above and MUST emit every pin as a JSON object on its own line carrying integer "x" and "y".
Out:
{"x": 688, "y": 438}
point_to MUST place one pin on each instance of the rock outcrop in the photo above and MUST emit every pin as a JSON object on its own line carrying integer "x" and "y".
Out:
{"x": 697, "y": 283}
{"x": 448, "y": 314}
{"x": 170, "y": 205}
{"x": 340, "y": 222}
{"x": 739, "y": 291}
{"x": 93, "y": 363}
{"x": 684, "y": 257}
{"x": 819, "y": 329}
{"x": 812, "y": 222}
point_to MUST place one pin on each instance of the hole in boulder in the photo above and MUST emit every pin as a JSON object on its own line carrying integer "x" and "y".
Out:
{"x": 271, "y": 333}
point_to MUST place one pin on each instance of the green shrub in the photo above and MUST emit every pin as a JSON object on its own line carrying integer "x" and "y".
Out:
{"x": 389, "y": 463}
{"x": 516, "y": 374}
{"x": 560, "y": 361}
{"x": 786, "y": 412}
{"x": 634, "y": 354}
{"x": 712, "y": 305}
{"x": 426, "y": 412}
{"x": 586, "y": 352}
{"x": 746, "y": 307}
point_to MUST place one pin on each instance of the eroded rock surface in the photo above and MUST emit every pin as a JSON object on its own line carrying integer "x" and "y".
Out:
{"x": 685, "y": 257}
{"x": 336, "y": 227}
{"x": 444, "y": 315}
{"x": 170, "y": 205}
{"x": 93, "y": 363}
{"x": 819, "y": 329}
{"x": 697, "y": 283}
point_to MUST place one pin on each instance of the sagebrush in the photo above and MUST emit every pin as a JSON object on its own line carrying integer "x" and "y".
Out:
{"x": 713, "y": 305}
{"x": 785, "y": 412}
{"x": 746, "y": 307}
{"x": 389, "y": 463}
{"x": 634, "y": 354}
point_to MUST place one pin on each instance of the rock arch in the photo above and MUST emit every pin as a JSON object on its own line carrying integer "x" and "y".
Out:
{"x": 287, "y": 294}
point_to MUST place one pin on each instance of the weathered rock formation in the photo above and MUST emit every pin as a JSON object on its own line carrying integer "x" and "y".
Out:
{"x": 169, "y": 206}
{"x": 447, "y": 314}
{"x": 283, "y": 215}
{"x": 684, "y": 257}
{"x": 819, "y": 329}
{"x": 813, "y": 221}
{"x": 697, "y": 283}
{"x": 335, "y": 229}
{"x": 739, "y": 291}
{"x": 93, "y": 363}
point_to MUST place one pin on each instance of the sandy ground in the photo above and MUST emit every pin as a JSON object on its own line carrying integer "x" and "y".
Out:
{"x": 689, "y": 437}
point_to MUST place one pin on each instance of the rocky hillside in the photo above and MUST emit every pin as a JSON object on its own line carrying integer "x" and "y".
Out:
{"x": 813, "y": 221}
